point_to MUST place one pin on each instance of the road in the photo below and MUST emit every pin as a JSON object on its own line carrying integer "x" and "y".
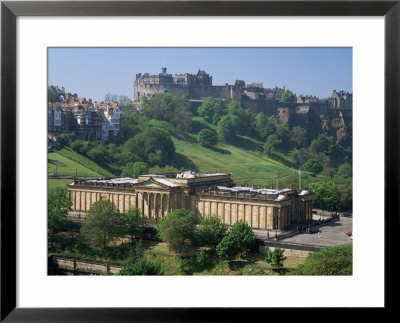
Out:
{"x": 332, "y": 234}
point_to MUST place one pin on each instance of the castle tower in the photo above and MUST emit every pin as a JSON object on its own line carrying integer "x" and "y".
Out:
{"x": 164, "y": 70}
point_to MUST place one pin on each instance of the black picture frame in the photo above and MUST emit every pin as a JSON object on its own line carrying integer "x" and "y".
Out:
{"x": 10, "y": 10}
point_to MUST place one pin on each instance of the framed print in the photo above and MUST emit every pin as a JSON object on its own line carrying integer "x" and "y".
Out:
{"x": 33, "y": 31}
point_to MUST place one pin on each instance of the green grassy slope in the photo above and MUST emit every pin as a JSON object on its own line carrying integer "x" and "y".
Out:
{"x": 52, "y": 183}
{"x": 74, "y": 164}
{"x": 245, "y": 160}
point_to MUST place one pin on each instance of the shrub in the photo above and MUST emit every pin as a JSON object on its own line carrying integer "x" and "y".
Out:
{"x": 334, "y": 261}
{"x": 208, "y": 137}
{"x": 313, "y": 166}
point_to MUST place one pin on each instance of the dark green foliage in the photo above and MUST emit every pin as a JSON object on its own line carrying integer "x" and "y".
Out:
{"x": 333, "y": 261}
{"x": 142, "y": 267}
{"x": 170, "y": 107}
{"x": 51, "y": 95}
{"x": 67, "y": 138}
{"x": 57, "y": 209}
{"x": 133, "y": 224}
{"x": 129, "y": 126}
{"x": 283, "y": 132}
{"x": 272, "y": 143}
{"x": 212, "y": 230}
{"x": 208, "y": 137}
{"x": 204, "y": 259}
{"x": 228, "y": 248}
{"x": 103, "y": 223}
{"x": 265, "y": 126}
{"x": 225, "y": 128}
{"x": 133, "y": 170}
{"x": 239, "y": 240}
{"x": 138, "y": 265}
{"x": 211, "y": 109}
{"x": 288, "y": 96}
{"x": 345, "y": 170}
{"x": 98, "y": 154}
{"x": 240, "y": 118}
{"x": 326, "y": 195}
{"x": 346, "y": 197}
{"x": 153, "y": 145}
{"x": 298, "y": 137}
{"x": 124, "y": 101}
{"x": 322, "y": 144}
{"x": 313, "y": 166}
{"x": 178, "y": 229}
{"x": 275, "y": 258}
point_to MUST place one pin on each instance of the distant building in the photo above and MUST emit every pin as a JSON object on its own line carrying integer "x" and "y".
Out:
{"x": 87, "y": 119}
{"x": 204, "y": 194}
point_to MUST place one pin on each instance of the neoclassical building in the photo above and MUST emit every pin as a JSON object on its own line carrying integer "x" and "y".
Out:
{"x": 204, "y": 194}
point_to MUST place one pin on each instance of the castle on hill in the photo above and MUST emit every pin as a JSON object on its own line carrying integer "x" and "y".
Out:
{"x": 327, "y": 115}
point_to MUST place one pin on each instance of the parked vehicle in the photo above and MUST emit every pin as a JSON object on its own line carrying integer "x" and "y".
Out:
{"x": 314, "y": 230}
{"x": 349, "y": 233}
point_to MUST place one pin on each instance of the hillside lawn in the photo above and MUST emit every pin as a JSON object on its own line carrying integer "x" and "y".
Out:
{"x": 55, "y": 182}
{"x": 243, "y": 158}
{"x": 74, "y": 164}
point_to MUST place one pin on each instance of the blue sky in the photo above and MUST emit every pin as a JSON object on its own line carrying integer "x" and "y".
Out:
{"x": 94, "y": 72}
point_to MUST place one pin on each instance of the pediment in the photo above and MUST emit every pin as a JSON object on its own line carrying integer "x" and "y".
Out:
{"x": 151, "y": 184}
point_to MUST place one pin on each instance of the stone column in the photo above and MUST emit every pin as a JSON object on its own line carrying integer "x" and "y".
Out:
{"x": 161, "y": 205}
{"x": 270, "y": 217}
{"x": 168, "y": 207}
{"x": 155, "y": 206}
{"x": 148, "y": 206}
{"x": 279, "y": 218}
{"x": 73, "y": 200}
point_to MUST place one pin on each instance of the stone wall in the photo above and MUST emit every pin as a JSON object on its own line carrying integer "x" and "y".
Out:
{"x": 84, "y": 266}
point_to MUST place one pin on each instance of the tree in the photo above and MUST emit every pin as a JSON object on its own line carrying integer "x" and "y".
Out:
{"x": 178, "y": 229}
{"x": 326, "y": 195}
{"x": 171, "y": 108}
{"x": 298, "y": 137}
{"x": 346, "y": 197}
{"x": 51, "y": 95}
{"x": 110, "y": 98}
{"x": 208, "y": 137}
{"x": 211, "y": 109}
{"x": 265, "y": 126}
{"x": 133, "y": 224}
{"x": 275, "y": 258}
{"x": 135, "y": 169}
{"x": 103, "y": 223}
{"x": 99, "y": 154}
{"x": 272, "y": 143}
{"x": 333, "y": 261}
{"x": 138, "y": 265}
{"x": 239, "y": 240}
{"x": 345, "y": 170}
{"x": 124, "y": 101}
{"x": 313, "y": 166}
{"x": 153, "y": 145}
{"x": 288, "y": 96}
{"x": 212, "y": 231}
{"x": 322, "y": 144}
{"x": 225, "y": 128}
{"x": 57, "y": 209}
{"x": 142, "y": 267}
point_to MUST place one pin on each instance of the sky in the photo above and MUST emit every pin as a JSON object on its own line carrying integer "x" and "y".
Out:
{"x": 94, "y": 72}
